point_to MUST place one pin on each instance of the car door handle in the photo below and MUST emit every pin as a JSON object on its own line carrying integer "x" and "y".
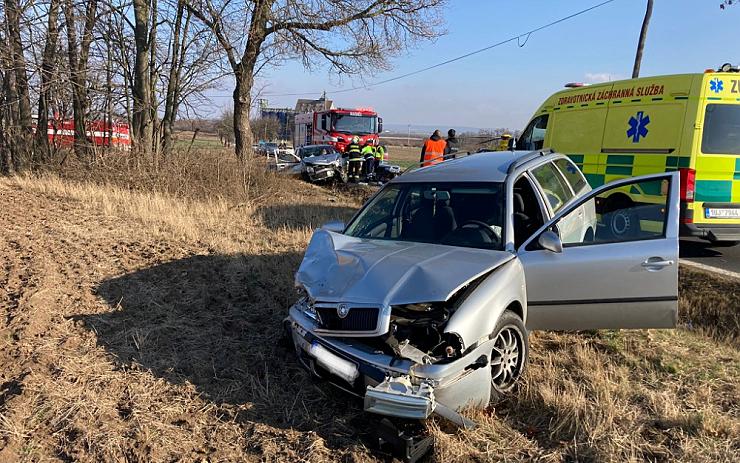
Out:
{"x": 656, "y": 263}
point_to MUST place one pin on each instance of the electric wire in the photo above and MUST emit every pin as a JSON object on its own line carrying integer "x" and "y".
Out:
{"x": 518, "y": 38}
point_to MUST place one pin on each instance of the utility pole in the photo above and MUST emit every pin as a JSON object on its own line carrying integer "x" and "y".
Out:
{"x": 641, "y": 41}
{"x": 408, "y": 137}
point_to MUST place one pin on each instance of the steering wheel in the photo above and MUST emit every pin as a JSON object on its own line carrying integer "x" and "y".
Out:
{"x": 484, "y": 226}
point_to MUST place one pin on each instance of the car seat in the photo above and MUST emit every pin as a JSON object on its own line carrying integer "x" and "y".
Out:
{"x": 522, "y": 221}
{"x": 430, "y": 223}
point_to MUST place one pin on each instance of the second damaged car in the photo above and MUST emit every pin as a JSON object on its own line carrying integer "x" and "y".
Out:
{"x": 422, "y": 303}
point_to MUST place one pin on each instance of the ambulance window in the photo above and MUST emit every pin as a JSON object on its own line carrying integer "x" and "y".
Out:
{"x": 571, "y": 174}
{"x": 721, "y": 129}
{"x": 552, "y": 185}
{"x": 533, "y": 137}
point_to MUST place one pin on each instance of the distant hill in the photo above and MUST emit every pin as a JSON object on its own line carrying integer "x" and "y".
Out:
{"x": 425, "y": 129}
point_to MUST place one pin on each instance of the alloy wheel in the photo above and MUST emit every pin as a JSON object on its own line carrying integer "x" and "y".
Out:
{"x": 507, "y": 358}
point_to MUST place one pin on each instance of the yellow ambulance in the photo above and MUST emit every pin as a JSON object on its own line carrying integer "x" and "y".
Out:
{"x": 687, "y": 122}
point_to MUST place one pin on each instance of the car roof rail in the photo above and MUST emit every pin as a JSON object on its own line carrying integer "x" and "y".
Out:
{"x": 526, "y": 158}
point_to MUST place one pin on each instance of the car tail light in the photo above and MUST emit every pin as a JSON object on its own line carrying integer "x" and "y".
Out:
{"x": 687, "y": 184}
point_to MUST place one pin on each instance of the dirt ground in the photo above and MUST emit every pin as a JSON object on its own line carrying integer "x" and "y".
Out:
{"x": 139, "y": 328}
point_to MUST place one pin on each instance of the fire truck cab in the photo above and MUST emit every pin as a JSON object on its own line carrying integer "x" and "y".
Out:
{"x": 337, "y": 127}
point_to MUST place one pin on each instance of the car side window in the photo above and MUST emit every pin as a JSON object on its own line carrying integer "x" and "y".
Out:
{"x": 552, "y": 185}
{"x": 528, "y": 216}
{"x": 533, "y": 137}
{"x": 612, "y": 216}
{"x": 571, "y": 174}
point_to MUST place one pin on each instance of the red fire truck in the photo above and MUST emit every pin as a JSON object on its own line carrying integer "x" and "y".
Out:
{"x": 337, "y": 127}
{"x": 100, "y": 133}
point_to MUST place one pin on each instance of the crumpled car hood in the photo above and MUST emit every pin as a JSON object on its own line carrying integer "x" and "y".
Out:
{"x": 321, "y": 159}
{"x": 340, "y": 268}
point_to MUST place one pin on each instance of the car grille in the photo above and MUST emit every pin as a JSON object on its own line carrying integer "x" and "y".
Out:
{"x": 358, "y": 319}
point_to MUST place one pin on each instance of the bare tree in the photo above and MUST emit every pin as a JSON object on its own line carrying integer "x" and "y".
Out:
{"x": 142, "y": 123}
{"x": 21, "y": 93}
{"x": 47, "y": 75}
{"x": 193, "y": 66}
{"x": 265, "y": 128}
{"x": 350, "y": 35}
{"x": 177, "y": 45}
{"x": 8, "y": 111}
{"x": 641, "y": 40}
{"x": 78, "y": 56}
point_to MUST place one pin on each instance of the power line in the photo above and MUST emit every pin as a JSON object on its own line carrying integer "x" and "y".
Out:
{"x": 518, "y": 38}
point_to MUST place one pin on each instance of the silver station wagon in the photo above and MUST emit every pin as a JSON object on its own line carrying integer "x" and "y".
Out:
{"x": 423, "y": 302}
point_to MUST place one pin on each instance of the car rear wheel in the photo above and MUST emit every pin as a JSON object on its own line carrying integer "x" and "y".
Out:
{"x": 510, "y": 351}
{"x": 621, "y": 220}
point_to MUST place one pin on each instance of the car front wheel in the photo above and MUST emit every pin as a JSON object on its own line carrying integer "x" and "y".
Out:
{"x": 509, "y": 354}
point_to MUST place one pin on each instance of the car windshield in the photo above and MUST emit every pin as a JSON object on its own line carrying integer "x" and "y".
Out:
{"x": 455, "y": 214}
{"x": 316, "y": 150}
{"x": 359, "y": 125}
{"x": 721, "y": 129}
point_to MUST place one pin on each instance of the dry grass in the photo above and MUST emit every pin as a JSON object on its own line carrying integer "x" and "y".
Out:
{"x": 140, "y": 323}
{"x": 711, "y": 304}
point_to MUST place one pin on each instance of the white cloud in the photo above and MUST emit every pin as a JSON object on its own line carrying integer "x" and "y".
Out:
{"x": 597, "y": 77}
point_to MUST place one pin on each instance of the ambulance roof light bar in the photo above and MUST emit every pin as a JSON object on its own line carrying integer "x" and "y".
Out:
{"x": 728, "y": 67}
{"x": 575, "y": 84}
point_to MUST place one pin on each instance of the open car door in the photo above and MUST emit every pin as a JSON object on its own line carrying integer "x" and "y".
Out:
{"x": 623, "y": 275}
{"x": 285, "y": 161}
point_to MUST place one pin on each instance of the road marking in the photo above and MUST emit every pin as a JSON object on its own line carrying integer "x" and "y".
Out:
{"x": 709, "y": 268}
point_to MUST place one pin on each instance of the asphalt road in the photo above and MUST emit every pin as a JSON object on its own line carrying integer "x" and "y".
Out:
{"x": 704, "y": 252}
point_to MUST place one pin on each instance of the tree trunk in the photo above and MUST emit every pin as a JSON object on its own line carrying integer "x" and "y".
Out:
{"x": 244, "y": 76}
{"x": 24, "y": 146}
{"x": 7, "y": 164}
{"x": 78, "y": 58}
{"x": 153, "y": 80}
{"x": 641, "y": 41}
{"x": 173, "y": 83}
{"x": 47, "y": 75}
{"x": 141, "y": 117}
{"x": 109, "y": 81}
{"x": 242, "y": 132}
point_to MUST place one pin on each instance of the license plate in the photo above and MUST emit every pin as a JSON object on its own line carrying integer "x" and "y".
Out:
{"x": 335, "y": 364}
{"x": 716, "y": 213}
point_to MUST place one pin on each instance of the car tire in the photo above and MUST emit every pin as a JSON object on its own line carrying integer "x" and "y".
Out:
{"x": 588, "y": 237}
{"x": 510, "y": 351}
{"x": 622, "y": 222}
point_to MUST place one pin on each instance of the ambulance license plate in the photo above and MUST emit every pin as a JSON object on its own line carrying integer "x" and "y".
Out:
{"x": 715, "y": 213}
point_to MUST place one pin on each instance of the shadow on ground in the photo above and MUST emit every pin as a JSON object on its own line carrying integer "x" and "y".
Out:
{"x": 300, "y": 216}
{"x": 215, "y": 321}
{"x": 688, "y": 249}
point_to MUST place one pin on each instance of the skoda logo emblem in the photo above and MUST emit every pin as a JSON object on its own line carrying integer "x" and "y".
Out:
{"x": 342, "y": 310}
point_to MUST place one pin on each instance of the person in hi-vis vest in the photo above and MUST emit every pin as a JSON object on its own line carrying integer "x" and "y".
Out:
{"x": 433, "y": 150}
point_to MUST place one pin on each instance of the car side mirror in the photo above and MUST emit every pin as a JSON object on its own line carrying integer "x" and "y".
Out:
{"x": 512, "y": 144}
{"x": 335, "y": 226}
{"x": 551, "y": 241}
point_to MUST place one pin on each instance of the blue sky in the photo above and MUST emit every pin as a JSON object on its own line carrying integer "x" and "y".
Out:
{"x": 502, "y": 87}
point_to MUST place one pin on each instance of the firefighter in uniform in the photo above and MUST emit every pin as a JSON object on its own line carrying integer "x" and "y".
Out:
{"x": 379, "y": 156}
{"x": 354, "y": 153}
{"x": 368, "y": 156}
{"x": 433, "y": 150}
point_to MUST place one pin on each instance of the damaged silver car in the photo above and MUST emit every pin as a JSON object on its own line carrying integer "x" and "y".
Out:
{"x": 423, "y": 302}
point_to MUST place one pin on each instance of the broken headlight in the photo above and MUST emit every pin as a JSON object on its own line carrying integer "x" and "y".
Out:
{"x": 305, "y": 304}
{"x": 421, "y": 326}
